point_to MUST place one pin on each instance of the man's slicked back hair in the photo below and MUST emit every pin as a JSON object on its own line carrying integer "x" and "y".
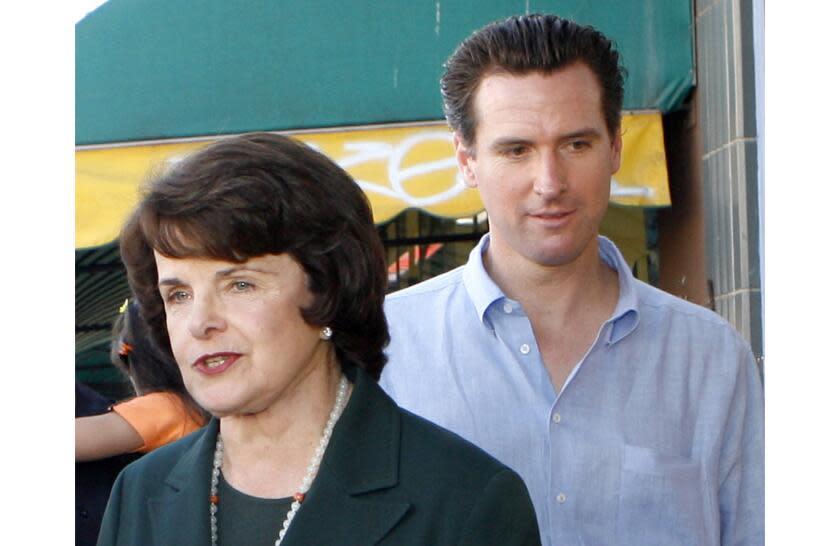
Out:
{"x": 521, "y": 45}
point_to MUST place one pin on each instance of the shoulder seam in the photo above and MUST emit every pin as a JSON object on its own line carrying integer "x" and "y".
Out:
{"x": 690, "y": 310}
{"x": 436, "y": 284}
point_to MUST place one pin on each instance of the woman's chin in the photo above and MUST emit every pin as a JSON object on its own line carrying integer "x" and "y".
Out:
{"x": 219, "y": 407}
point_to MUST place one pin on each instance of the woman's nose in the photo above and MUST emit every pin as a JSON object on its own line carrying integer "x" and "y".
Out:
{"x": 205, "y": 317}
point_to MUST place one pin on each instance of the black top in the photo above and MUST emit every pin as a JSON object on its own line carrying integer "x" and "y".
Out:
{"x": 243, "y": 519}
{"x": 94, "y": 478}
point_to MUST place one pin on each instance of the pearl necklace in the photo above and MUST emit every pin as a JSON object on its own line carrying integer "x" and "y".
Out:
{"x": 311, "y": 470}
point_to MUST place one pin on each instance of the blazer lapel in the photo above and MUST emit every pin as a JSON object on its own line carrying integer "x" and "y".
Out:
{"x": 341, "y": 508}
{"x": 184, "y": 502}
{"x": 331, "y": 517}
{"x": 361, "y": 459}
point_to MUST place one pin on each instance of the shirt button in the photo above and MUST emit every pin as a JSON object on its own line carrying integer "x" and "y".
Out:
{"x": 524, "y": 349}
{"x": 508, "y": 308}
{"x": 561, "y": 498}
{"x": 556, "y": 418}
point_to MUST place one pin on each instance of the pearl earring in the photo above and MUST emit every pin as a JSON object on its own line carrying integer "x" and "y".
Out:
{"x": 326, "y": 333}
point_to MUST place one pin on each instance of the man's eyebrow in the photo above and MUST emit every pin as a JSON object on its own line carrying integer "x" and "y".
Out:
{"x": 509, "y": 142}
{"x": 584, "y": 132}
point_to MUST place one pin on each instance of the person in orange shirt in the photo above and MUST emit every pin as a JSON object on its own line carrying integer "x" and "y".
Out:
{"x": 162, "y": 411}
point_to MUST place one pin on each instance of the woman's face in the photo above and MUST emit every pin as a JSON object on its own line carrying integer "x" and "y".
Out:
{"x": 237, "y": 332}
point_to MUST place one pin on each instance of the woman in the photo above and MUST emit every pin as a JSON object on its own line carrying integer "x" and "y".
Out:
{"x": 257, "y": 263}
{"x": 162, "y": 412}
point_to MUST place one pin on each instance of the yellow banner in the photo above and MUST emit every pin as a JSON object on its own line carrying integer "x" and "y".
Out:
{"x": 643, "y": 178}
{"x": 398, "y": 168}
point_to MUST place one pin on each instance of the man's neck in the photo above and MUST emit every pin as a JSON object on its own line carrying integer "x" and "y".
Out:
{"x": 566, "y": 304}
{"x": 566, "y": 288}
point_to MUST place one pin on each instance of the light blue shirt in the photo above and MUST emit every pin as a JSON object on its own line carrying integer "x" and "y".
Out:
{"x": 657, "y": 437}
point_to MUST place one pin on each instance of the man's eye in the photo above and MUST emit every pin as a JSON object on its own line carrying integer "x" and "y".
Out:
{"x": 516, "y": 151}
{"x": 242, "y": 286}
{"x": 578, "y": 145}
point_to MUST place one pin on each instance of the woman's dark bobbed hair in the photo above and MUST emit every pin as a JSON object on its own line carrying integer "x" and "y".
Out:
{"x": 259, "y": 194}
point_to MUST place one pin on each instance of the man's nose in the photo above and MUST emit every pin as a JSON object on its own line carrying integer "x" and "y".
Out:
{"x": 550, "y": 179}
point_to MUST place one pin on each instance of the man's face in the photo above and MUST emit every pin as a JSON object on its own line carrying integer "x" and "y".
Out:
{"x": 542, "y": 161}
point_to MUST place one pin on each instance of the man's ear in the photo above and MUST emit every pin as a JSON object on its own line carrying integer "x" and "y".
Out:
{"x": 464, "y": 157}
{"x": 615, "y": 155}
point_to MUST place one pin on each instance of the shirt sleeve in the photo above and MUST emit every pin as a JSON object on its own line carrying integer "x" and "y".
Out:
{"x": 158, "y": 417}
{"x": 741, "y": 488}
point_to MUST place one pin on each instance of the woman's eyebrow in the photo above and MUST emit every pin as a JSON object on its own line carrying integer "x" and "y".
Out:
{"x": 170, "y": 281}
{"x": 227, "y": 272}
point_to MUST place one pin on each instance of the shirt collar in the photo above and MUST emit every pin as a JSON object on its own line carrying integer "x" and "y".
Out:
{"x": 483, "y": 291}
{"x": 625, "y": 318}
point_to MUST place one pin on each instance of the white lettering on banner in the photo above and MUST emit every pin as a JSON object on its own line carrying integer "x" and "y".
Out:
{"x": 628, "y": 191}
{"x": 365, "y": 151}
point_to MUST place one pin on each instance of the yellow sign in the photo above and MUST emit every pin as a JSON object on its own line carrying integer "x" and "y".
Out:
{"x": 643, "y": 178}
{"x": 398, "y": 168}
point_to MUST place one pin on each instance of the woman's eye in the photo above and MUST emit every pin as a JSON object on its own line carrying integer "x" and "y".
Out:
{"x": 178, "y": 296}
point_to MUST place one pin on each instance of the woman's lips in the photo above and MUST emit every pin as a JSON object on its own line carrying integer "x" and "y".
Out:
{"x": 215, "y": 363}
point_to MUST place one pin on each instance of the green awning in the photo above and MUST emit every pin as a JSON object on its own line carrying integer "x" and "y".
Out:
{"x": 159, "y": 69}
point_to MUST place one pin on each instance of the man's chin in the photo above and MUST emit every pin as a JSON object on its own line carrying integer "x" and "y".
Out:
{"x": 559, "y": 254}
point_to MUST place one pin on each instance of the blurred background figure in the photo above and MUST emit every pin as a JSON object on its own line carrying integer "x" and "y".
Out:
{"x": 95, "y": 478}
{"x": 109, "y": 436}
{"x": 161, "y": 412}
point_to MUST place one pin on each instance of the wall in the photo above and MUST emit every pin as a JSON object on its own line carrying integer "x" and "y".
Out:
{"x": 682, "y": 253}
{"x": 727, "y": 117}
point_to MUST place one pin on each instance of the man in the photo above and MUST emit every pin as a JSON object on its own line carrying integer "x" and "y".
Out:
{"x": 633, "y": 416}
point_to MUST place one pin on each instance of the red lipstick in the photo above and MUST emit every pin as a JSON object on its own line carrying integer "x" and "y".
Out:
{"x": 215, "y": 363}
